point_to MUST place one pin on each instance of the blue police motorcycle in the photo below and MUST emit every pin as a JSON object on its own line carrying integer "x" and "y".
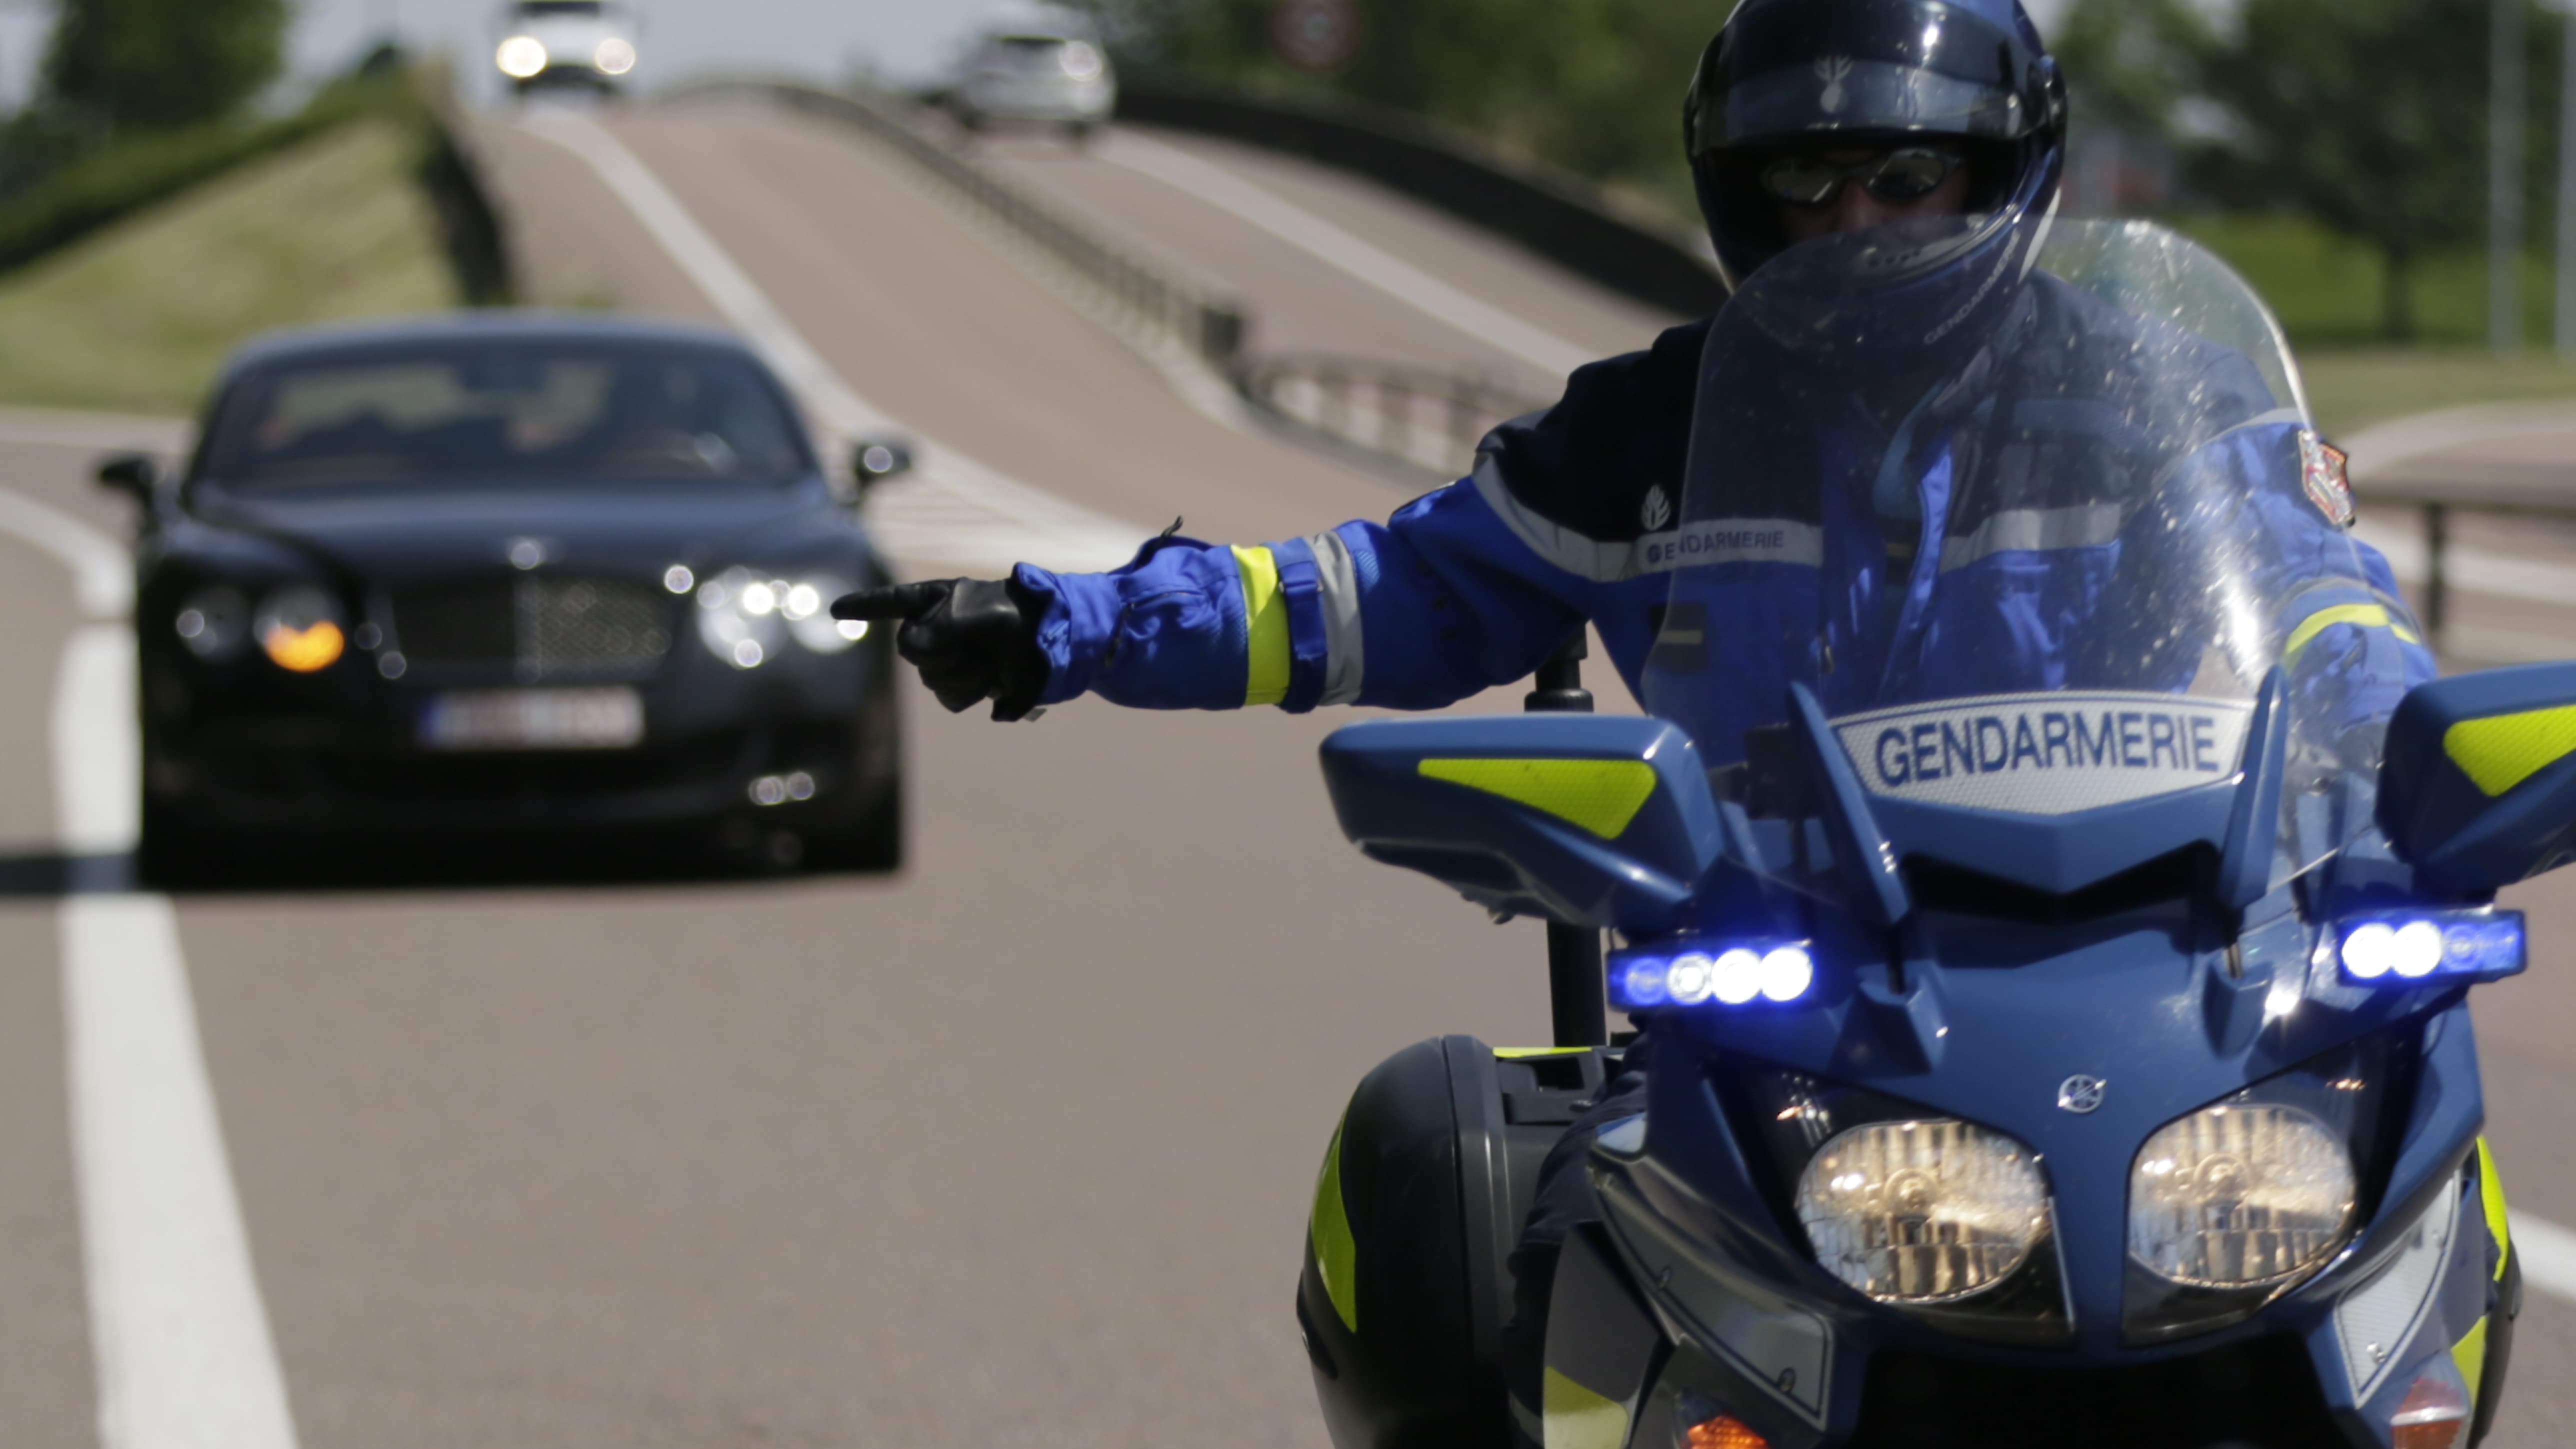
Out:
{"x": 2051, "y": 1005}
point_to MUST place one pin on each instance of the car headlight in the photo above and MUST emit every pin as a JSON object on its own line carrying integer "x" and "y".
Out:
{"x": 213, "y": 622}
{"x": 521, "y": 57}
{"x": 1923, "y": 1211}
{"x": 300, "y": 629}
{"x": 1080, "y": 60}
{"x": 615, "y": 56}
{"x": 745, "y": 618}
{"x": 2240, "y": 1195}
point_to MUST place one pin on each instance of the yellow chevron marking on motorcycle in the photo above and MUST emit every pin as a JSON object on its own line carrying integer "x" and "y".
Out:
{"x": 1518, "y": 1054}
{"x": 1328, "y": 1232}
{"x": 2491, "y": 1193}
{"x": 1602, "y": 796}
{"x": 1577, "y": 1418}
{"x": 2368, "y": 616}
{"x": 2500, "y": 753}
{"x": 2470, "y": 1354}
{"x": 1265, "y": 618}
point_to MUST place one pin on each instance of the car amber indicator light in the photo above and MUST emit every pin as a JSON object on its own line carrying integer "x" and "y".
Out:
{"x": 303, "y": 651}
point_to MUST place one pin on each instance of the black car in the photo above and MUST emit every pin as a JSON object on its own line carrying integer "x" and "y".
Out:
{"x": 510, "y": 575}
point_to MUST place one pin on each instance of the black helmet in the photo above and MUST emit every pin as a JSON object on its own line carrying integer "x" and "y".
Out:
{"x": 1787, "y": 74}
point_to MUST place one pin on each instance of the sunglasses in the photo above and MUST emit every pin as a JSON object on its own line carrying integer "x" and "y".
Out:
{"x": 1906, "y": 174}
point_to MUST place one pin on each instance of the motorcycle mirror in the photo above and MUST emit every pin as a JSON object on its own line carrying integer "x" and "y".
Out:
{"x": 1589, "y": 820}
{"x": 133, "y": 474}
{"x": 874, "y": 460}
{"x": 2477, "y": 783}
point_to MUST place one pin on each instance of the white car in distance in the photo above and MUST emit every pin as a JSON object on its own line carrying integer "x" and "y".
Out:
{"x": 1042, "y": 65}
{"x": 580, "y": 43}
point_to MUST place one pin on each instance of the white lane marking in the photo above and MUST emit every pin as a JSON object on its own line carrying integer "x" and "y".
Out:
{"x": 953, "y": 508}
{"x": 181, "y": 1343}
{"x": 102, "y": 572}
{"x": 1312, "y": 234}
{"x": 2548, "y": 1254}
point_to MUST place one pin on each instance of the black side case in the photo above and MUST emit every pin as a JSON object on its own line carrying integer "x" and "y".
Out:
{"x": 1437, "y": 1159}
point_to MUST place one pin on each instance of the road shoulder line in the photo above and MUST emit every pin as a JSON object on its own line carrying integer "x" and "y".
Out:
{"x": 184, "y": 1356}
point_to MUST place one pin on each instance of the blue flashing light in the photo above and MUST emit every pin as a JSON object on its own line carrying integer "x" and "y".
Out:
{"x": 1639, "y": 982}
{"x": 1704, "y": 973}
{"x": 2403, "y": 950}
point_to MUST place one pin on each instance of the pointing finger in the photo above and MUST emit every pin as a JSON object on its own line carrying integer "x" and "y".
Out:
{"x": 895, "y": 601}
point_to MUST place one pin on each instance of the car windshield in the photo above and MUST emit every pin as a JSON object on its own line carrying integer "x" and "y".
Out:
{"x": 2037, "y": 563}
{"x": 547, "y": 9}
{"x": 505, "y": 411}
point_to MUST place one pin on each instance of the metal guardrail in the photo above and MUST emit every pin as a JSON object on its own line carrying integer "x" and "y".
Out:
{"x": 1432, "y": 420}
{"x": 1416, "y": 418}
{"x": 2435, "y": 504}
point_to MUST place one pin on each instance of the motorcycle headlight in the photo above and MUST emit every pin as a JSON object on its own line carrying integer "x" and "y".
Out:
{"x": 2237, "y": 1196}
{"x": 214, "y": 622}
{"x": 1923, "y": 1211}
{"x": 1991, "y": 1195}
{"x": 2236, "y": 1204}
{"x": 300, "y": 629}
{"x": 745, "y": 618}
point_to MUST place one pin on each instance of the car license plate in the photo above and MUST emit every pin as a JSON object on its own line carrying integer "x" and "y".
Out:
{"x": 533, "y": 719}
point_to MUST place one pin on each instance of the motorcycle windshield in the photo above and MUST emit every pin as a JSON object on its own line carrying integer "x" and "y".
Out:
{"x": 2034, "y": 545}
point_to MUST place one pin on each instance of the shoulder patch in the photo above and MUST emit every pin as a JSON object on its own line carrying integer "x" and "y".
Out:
{"x": 2323, "y": 469}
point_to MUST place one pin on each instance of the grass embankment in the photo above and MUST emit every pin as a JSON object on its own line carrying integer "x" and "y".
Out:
{"x": 2327, "y": 293}
{"x": 138, "y": 317}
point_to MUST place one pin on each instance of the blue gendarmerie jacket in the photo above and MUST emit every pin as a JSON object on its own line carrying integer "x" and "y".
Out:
{"x": 2029, "y": 489}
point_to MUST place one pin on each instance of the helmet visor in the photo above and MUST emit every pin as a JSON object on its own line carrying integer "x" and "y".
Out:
{"x": 1787, "y": 72}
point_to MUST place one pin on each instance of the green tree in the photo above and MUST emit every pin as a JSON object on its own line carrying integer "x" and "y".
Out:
{"x": 1594, "y": 86}
{"x": 2368, "y": 117}
{"x": 115, "y": 68}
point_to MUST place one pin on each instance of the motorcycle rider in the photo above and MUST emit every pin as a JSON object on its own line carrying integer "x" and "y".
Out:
{"x": 1926, "y": 139}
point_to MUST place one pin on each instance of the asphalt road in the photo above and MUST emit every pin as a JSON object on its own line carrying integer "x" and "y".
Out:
{"x": 1016, "y": 1145}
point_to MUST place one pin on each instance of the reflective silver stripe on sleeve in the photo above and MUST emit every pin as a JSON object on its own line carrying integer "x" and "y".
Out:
{"x": 2024, "y": 529}
{"x": 1337, "y": 590}
{"x": 1710, "y": 541}
{"x": 1587, "y": 558}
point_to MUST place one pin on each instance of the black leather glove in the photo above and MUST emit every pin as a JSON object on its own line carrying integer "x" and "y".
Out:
{"x": 972, "y": 639}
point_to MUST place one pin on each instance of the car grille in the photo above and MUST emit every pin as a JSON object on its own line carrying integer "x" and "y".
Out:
{"x": 536, "y": 626}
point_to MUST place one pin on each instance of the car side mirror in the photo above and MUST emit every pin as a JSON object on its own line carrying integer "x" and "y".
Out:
{"x": 133, "y": 474}
{"x": 874, "y": 460}
{"x": 1592, "y": 820}
{"x": 2477, "y": 782}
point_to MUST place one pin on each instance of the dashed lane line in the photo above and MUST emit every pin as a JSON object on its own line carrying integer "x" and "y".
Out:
{"x": 952, "y": 508}
{"x": 1319, "y": 238}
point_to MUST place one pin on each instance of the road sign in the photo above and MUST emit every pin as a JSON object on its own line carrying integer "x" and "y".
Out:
{"x": 1316, "y": 34}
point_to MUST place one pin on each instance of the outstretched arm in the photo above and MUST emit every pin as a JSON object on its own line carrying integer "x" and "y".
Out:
{"x": 1437, "y": 603}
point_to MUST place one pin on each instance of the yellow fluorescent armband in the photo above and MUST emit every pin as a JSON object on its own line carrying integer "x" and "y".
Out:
{"x": 1265, "y": 616}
